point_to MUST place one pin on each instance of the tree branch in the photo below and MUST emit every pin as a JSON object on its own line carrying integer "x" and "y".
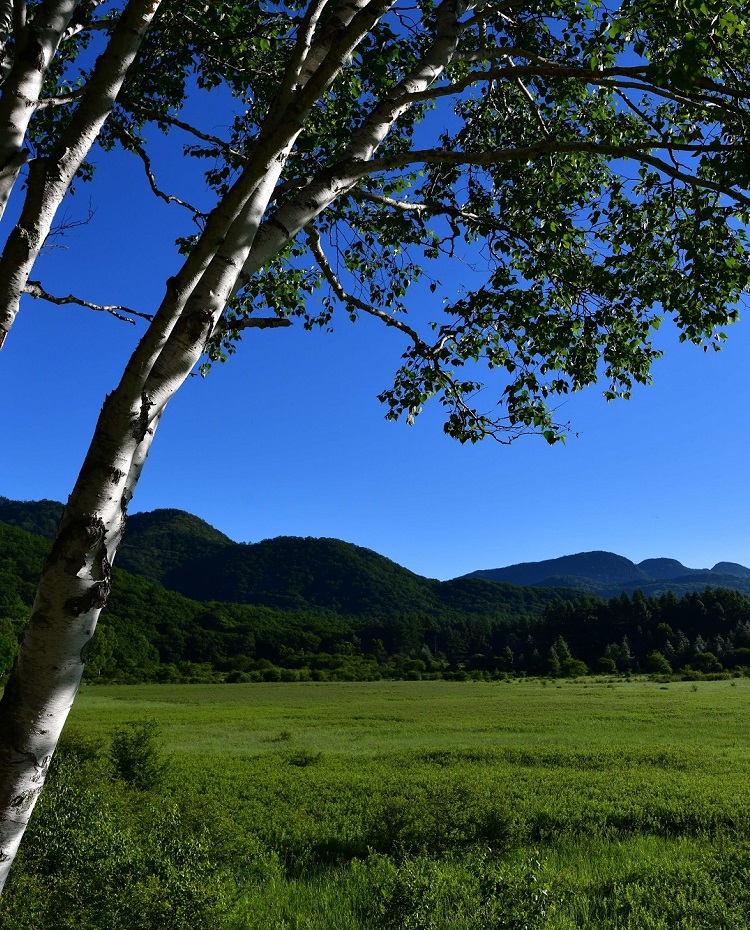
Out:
{"x": 156, "y": 117}
{"x": 313, "y": 238}
{"x": 302, "y": 46}
{"x": 35, "y": 289}
{"x": 432, "y": 208}
{"x": 250, "y": 322}
{"x": 135, "y": 146}
{"x": 614, "y": 77}
{"x": 61, "y": 100}
{"x": 636, "y": 151}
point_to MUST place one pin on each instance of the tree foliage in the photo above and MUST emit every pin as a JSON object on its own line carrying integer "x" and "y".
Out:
{"x": 591, "y": 156}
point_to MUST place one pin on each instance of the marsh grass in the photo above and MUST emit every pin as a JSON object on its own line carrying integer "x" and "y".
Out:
{"x": 604, "y": 804}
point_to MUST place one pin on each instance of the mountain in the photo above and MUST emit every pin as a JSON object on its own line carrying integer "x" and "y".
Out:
{"x": 731, "y": 568}
{"x": 327, "y": 606}
{"x": 40, "y": 518}
{"x": 183, "y": 553}
{"x": 202, "y": 607}
{"x": 154, "y": 544}
{"x": 597, "y": 567}
{"x": 664, "y": 569}
{"x": 161, "y": 542}
{"x": 608, "y": 575}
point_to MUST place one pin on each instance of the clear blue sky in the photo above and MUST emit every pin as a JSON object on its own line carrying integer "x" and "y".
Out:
{"x": 289, "y": 438}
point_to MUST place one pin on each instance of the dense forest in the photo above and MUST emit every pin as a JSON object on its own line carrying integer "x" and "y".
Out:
{"x": 308, "y": 609}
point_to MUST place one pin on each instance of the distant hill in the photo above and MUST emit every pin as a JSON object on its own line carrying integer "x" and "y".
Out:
{"x": 608, "y": 575}
{"x": 325, "y": 605}
{"x": 161, "y": 542}
{"x": 155, "y": 543}
{"x": 597, "y": 567}
{"x": 194, "y": 605}
{"x": 40, "y": 518}
{"x": 185, "y": 554}
{"x": 295, "y": 573}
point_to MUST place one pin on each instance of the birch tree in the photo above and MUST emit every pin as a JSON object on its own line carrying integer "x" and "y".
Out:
{"x": 590, "y": 159}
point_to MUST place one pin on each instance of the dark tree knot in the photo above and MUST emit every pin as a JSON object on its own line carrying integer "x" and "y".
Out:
{"x": 141, "y": 420}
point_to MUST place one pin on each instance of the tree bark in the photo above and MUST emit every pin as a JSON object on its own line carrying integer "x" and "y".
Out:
{"x": 75, "y": 582}
{"x": 76, "y": 579}
{"x": 37, "y": 43}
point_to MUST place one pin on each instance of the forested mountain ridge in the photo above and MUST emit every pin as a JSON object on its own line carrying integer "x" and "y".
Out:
{"x": 185, "y": 554}
{"x": 322, "y": 608}
{"x": 608, "y": 575}
{"x": 361, "y": 606}
{"x": 188, "y": 555}
{"x": 154, "y": 544}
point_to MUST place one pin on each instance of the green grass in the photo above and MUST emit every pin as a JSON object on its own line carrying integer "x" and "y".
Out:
{"x": 374, "y": 717}
{"x": 608, "y": 805}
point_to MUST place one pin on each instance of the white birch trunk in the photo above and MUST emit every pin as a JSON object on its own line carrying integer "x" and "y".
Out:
{"x": 37, "y": 45}
{"x": 76, "y": 579}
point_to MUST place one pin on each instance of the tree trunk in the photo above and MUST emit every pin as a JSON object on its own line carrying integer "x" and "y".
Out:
{"x": 37, "y": 44}
{"x": 75, "y": 582}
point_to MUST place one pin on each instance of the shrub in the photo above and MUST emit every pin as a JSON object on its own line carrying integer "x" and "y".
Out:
{"x": 706, "y": 662}
{"x": 136, "y": 755}
{"x": 657, "y": 664}
{"x": 94, "y": 858}
{"x": 573, "y": 668}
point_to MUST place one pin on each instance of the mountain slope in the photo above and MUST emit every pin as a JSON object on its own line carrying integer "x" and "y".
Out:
{"x": 599, "y": 567}
{"x": 154, "y": 544}
{"x": 40, "y": 518}
{"x": 161, "y": 541}
{"x": 186, "y": 555}
{"x": 323, "y": 608}
{"x": 149, "y": 632}
{"x": 608, "y": 575}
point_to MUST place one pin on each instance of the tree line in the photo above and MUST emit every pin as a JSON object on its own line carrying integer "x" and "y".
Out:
{"x": 154, "y": 634}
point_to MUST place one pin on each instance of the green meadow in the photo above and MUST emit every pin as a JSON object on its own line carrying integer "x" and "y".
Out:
{"x": 419, "y": 805}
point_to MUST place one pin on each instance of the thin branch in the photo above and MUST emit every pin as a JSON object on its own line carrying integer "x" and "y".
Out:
{"x": 96, "y": 25}
{"x": 313, "y": 238}
{"x": 639, "y": 151}
{"x": 249, "y": 322}
{"x": 615, "y": 77}
{"x": 258, "y": 322}
{"x": 156, "y": 117}
{"x": 135, "y": 145}
{"x": 35, "y": 289}
{"x": 532, "y": 103}
{"x": 61, "y": 100}
{"x": 82, "y": 20}
{"x": 302, "y": 46}
{"x": 432, "y": 208}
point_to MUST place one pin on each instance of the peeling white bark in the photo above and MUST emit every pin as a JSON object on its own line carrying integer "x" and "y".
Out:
{"x": 21, "y": 89}
{"x": 75, "y": 582}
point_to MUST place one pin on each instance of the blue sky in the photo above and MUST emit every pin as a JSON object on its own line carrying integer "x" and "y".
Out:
{"x": 288, "y": 438}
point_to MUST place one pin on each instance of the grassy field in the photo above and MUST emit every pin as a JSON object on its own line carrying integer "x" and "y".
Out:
{"x": 382, "y": 717}
{"x": 431, "y": 805}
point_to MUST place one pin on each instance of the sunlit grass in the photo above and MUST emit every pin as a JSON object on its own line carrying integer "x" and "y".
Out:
{"x": 371, "y": 717}
{"x": 600, "y": 804}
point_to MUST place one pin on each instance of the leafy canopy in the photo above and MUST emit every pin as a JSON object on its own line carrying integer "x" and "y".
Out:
{"x": 586, "y": 160}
